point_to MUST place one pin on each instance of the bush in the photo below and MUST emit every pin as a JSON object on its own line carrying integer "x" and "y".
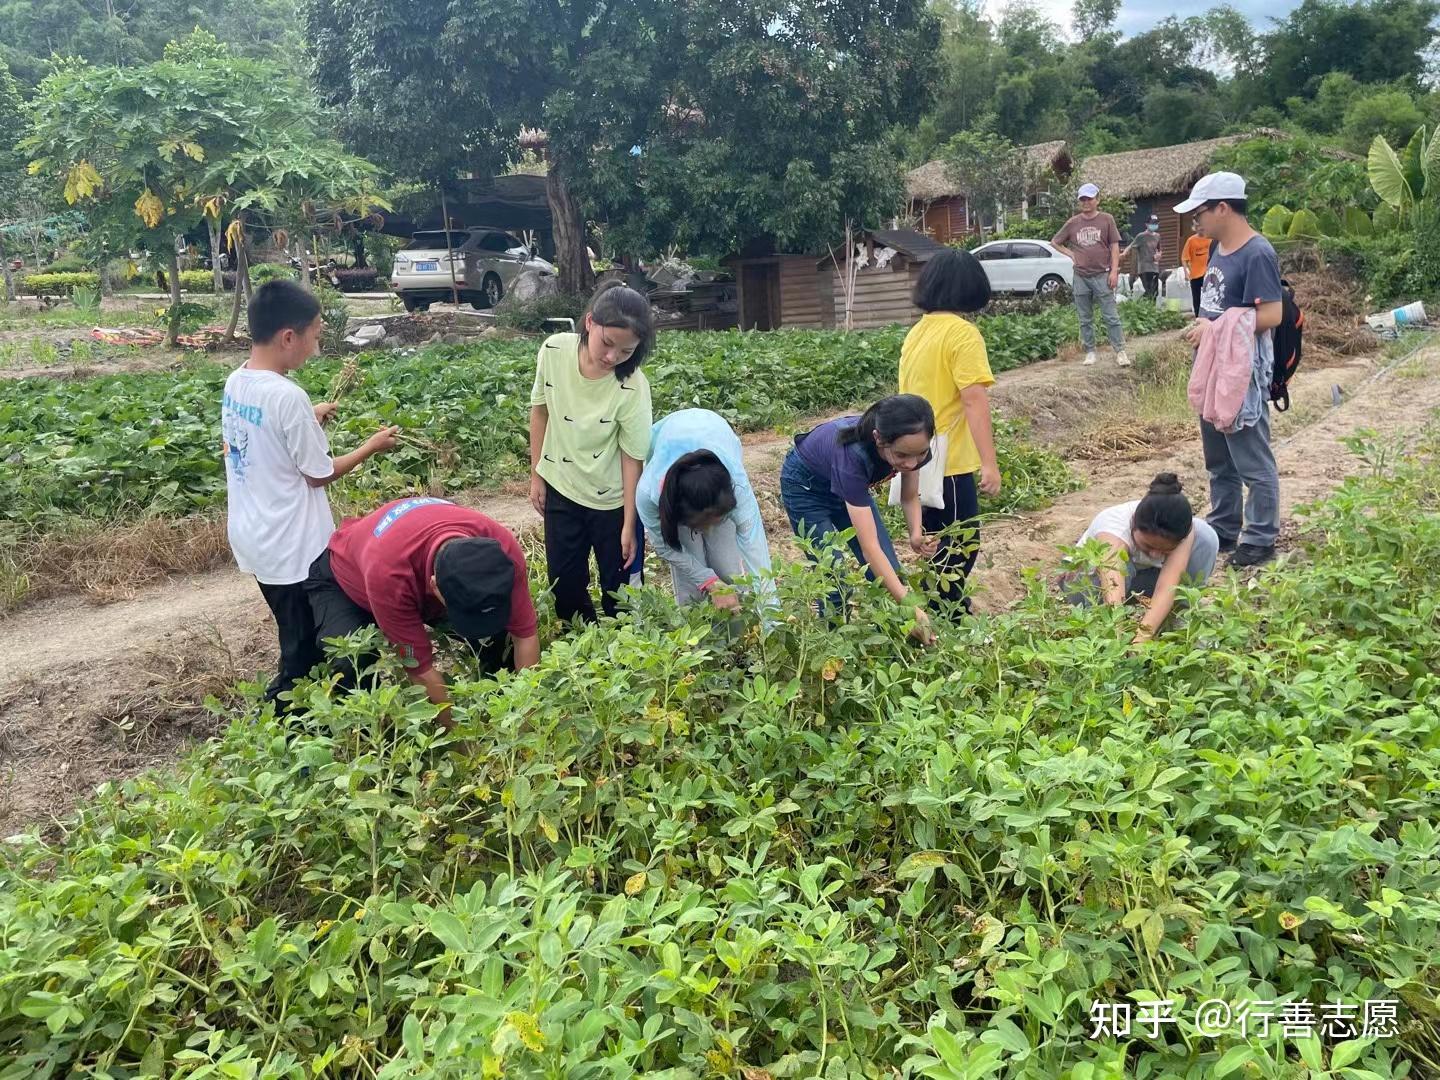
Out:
{"x": 263, "y": 272}
{"x": 85, "y": 298}
{"x": 48, "y": 284}
{"x": 69, "y": 264}
{"x": 530, "y": 315}
{"x": 197, "y": 281}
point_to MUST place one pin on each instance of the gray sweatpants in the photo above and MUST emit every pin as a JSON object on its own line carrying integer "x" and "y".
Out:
{"x": 1087, "y": 290}
{"x": 1244, "y": 482}
{"x": 718, "y": 547}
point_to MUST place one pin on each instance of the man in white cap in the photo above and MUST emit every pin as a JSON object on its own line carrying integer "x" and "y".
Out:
{"x": 1243, "y": 271}
{"x": 1091, "y": 240}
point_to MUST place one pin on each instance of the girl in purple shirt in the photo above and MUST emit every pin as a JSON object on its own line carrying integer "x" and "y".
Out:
{"x": 827, "y": 476}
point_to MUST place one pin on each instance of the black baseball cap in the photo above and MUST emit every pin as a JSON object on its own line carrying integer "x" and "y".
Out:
{"x": 475, "y": 578}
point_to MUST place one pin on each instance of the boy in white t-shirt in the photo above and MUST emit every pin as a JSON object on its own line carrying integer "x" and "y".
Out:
{"x": 277, "y": 465}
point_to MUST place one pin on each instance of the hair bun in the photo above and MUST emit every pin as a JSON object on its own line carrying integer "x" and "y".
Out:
{"x": 1165, "y": 483}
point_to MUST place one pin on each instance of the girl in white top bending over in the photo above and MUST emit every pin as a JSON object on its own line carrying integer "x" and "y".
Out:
{"x": 1164, "y": 543}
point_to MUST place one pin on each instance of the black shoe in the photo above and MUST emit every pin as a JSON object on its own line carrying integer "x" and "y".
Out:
{"x": 1252, "y": 555}
{"x": 1227, "y": 546}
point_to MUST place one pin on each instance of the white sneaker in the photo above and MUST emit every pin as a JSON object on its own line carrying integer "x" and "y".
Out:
{"x": 1122, "y": 359}
{"x": 1089, "y": 358}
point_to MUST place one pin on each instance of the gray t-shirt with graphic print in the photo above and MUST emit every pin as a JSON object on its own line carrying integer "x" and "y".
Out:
{"x": 1247, "y": 276}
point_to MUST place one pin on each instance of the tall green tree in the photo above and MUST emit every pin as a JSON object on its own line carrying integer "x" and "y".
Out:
{"x": 149, "y": 151}
{"x": 111, "y": 32}
{"x": 755, "y": 118}
{"x": 12, "y": 168}
{"x": 1375, "y": 41}
{"x": 439, "y": 89}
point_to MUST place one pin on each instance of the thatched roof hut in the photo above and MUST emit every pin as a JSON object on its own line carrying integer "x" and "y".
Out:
{"x": 1161, "y": 170}
{"x": 931, "y": 181}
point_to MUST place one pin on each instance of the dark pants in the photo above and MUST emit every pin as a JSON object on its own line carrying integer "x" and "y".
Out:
{"x": 336, "y": 615}
{"x": 298, "y": 650}
{"x": 1195, "y": 284}
{"x": 958, "y": 553}
{"x": 572, "y": 532}
{"x": 1151, "y": 278}
{"x": 816, "y": 513}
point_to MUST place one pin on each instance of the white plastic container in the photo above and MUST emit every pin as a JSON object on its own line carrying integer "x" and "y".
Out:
{"x": 1397, "y": 319}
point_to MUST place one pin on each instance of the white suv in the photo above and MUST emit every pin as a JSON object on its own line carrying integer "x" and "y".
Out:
{"x": 483, "y": 264}
{"x": 1024, "y": 266}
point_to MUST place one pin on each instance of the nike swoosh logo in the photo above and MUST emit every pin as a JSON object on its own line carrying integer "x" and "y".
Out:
{"x": 603, "y": 421}
{"x": 570, "y": 419}
{"x": 594, "y": 455}
{"x": 568, "y": 461}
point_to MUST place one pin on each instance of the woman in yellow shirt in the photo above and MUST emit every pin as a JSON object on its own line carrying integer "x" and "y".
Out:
{"x": 944, "y": 361}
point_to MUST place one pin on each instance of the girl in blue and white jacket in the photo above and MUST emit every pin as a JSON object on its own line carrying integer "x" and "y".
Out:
{"x": 699, "y": 510}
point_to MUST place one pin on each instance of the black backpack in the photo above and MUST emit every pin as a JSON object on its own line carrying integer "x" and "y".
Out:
{"x": 1288, "y": 341}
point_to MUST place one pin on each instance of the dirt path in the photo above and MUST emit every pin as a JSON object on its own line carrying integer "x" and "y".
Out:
{"x": 90, "y": 693}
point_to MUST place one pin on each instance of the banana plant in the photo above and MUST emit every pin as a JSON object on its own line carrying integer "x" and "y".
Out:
{"x": 1408, "y": 181}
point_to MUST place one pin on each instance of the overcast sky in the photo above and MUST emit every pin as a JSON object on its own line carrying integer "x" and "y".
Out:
{"x": 1137, "y": 16}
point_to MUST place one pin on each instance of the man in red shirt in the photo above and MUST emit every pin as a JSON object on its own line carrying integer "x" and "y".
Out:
{"x": 423, "y": 560}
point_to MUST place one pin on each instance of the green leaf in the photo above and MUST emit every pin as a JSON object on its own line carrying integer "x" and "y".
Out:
{"x": 1233, "y": 1059}
{"x": 451, "y": 931}
{"x": 921, "y": 864}
{"x": 1344, "y": 1053}
{"x": 414, "y": 1037}
{"x": 1007, "y": 1034}
{"x": 1387, "y": 175}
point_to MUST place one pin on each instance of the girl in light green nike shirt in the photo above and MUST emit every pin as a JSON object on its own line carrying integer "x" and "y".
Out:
{"x": 589, "y": 434}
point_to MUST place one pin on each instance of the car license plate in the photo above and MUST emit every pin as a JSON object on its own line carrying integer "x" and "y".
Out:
{"x": 427, "y": 266}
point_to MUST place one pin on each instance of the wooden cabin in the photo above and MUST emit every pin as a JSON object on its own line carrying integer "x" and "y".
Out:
{"x": 943, "y": 211}
{"x": 1156, "y": 181}
{"x": 793, "y": 291}
{"x": 885, "y": 280}
{"x": 782, "y": 290}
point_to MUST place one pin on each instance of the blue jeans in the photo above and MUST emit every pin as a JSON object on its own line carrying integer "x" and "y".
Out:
{"x": 816, "y": 513}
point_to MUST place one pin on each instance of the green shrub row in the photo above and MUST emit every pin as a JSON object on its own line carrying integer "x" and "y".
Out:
{"x": 61, "y": 284}
{"x": 123, "y": 445}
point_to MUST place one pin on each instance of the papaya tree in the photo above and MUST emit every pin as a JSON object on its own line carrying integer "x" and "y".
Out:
{"x": 130, "y": 146}
{"x": 154, "y": 151}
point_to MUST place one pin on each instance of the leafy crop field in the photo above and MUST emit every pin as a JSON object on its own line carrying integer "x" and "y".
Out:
{"x": 817, "y": 852}
{"x": 117, "y": 446}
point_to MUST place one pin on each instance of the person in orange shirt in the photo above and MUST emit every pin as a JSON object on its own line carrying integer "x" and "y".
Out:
{"x": 1196, "y": 258}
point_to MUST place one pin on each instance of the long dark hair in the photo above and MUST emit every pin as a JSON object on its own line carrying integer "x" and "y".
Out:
{"x": 622, "y": 308}
{"x": 1164, "y": 511}
{"x": 696, "y": 485}
{"x": 892, "y": 418}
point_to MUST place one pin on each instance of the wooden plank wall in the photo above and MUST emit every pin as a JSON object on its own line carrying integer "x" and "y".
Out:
{"x": 1173, "y": 230}
{"x": 882, "y": 297}
{"x": 801, "y": 302}
{"x": 945, "y": 219}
